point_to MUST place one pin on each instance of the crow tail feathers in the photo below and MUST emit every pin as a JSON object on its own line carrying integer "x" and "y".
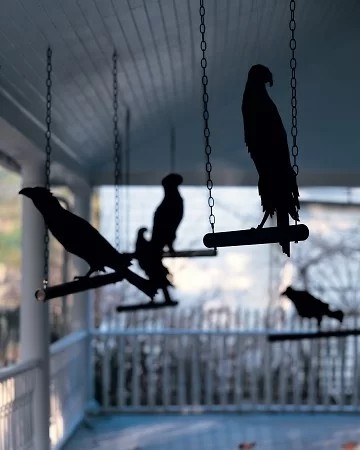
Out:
{"x": 282, "y": 218}
{"x": 146, "y": 286}
{"x": 337, "y": 314}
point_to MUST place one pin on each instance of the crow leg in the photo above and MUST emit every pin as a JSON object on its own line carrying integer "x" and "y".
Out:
{"x": 167, "y": 297}
{"x": 264, "y": 219}
{"x": 146, "y": 286}
{"x": 87, "y": 275}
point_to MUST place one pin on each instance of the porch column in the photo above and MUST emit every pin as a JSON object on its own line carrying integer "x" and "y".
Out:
{"x": 34, "y": 316}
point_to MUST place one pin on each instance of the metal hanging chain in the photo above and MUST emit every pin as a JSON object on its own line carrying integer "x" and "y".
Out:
{"x": 117, "y": 152}
{"x": 172, "y": 149}
{"x": 205, "y": 98}
{"x": 48, "y": 156}
{"x": 127, "y": 175}
{"x": 293, "y": 84}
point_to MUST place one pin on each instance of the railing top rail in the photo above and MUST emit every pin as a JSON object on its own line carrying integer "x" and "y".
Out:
{"x": 175, "y": 332}
{"x": 67, "y": 341}
{"x": 17, "y": 369}
{"x": 187, "y": 332}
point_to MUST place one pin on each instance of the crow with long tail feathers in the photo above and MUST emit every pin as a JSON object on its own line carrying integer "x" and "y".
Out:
{"x": 168, "y": 214}
{"x": 79, "y": 237}
{"x": 311, "y": 307}
{"x": 150, "y": 261}
{"x": 266, "y": 140}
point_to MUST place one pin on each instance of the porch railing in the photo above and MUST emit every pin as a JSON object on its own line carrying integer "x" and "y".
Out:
{"x": 180, "y": 370}
{"x": 17, "y": 387}
{"x": 68, "y": 389}
{"x": 68, "y": 395}
{"x": 212, "y": 370}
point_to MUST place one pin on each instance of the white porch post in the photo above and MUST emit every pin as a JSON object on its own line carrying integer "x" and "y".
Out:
{"x": 82, "y": 311}
{"x": 34, "y": 316}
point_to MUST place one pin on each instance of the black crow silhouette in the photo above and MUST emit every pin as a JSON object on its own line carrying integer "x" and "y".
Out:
{"x": 150, "y": 261}
{"x": 77, "y": 236}
{"x": 311, "y": 307}
{"x": 266, "y": 140}
{"x": 168, "y": 214}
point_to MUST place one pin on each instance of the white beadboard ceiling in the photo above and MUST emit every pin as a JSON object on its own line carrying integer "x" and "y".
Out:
{"x": 158, "y": 42}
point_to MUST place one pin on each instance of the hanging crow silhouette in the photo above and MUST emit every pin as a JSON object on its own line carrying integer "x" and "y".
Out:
{"x": 150, "y": 261}
{"x": 266, "y": 140}
{"x": 168, "y": 214}
{"x": 311, "y": 307}
{"x": 77, "y": 236}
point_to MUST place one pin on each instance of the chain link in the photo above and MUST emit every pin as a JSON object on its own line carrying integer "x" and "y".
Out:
{"x": 293, "y": 84}
{"x": 205, "y": 98}
{"x": 117, "y": 145}
{"x": 48, "y": 157}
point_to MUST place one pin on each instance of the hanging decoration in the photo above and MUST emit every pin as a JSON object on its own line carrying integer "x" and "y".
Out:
{"x": 149, "y": 253}
{"x": 266, "y": 140}
{"x": 170, "y": 184}
{"x": 117, "y": 152}
{"x": 75, "y": 234}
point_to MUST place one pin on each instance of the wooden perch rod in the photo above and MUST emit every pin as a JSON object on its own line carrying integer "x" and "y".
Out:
{"x": 256, "y": 236}
{"x": 148, "y": 305}
{"x": 273, "y": 337}
{"x": 72, "y": 287}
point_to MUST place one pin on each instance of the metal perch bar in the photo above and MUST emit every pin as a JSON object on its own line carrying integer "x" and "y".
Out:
{"x": 184, "y": 254}
{"x": 148, "y": 305}
{"x": 274, "y": 337}
{"x": 72, "y": 287}
{"x": 293, "y": 233}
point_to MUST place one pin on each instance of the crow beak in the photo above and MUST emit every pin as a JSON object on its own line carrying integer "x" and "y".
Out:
{"x": 271, "y": 81}
{"x": 26, "y": 192}
{"x": 283, "y": 293}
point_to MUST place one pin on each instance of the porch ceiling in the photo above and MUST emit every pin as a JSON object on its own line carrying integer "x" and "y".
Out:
{"x": 158, "y": 42}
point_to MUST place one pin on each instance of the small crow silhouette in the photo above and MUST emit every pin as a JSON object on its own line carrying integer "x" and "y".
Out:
{"x": 311, "y": 307}
{"x": 150, "y": 261}
{"x": 77, "y": 236}
{"x": 266, "y": 140}
{"x": 168, "y": 214}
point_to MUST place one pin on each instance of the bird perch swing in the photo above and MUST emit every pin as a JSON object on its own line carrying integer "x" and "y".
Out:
{"x": 198, "y": 253}
{"x": 183, "y": 253}
{"x": 117, "y": 173}
{"x": 308, "y": 306}
{"x": 147, "y": 252}
{"x": 296, "y": 336}
{"x": 75, "y": 234}
{"x": 167, "y": 218}
{"x": 277, "y": 179}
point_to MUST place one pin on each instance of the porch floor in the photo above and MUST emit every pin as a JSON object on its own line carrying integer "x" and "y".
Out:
{"x": 216, "y": 432}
